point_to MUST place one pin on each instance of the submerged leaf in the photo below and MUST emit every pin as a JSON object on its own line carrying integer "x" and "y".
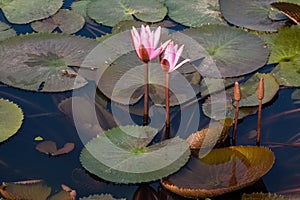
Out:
{"x": 265, "y": 196}
{"x": 11, "y": 119}
{"x": 195, "y": 13}
{"x": 100, "y": 197}
{"x": 111, "y": 12}
{"x": 66, "y": 20}
{"x": 24, "y": 11}
{"x": 40, "y": 62}
{"x": 222, "y": 170}
{"x": 33, "y": 190}
{"x": 250, "y": 14}
{"x": 49, "y": 148}
{"x": 122, "y": 155}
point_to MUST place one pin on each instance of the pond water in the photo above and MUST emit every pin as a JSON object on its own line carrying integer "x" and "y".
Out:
{"x": 19, "y": 159}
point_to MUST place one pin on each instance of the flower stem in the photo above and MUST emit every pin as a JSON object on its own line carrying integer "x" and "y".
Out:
{"x": 237, "y": 98}
{"x": 146, "y": 96}
{"x": 167, "y": 103}
{"x": 260, "y": 96}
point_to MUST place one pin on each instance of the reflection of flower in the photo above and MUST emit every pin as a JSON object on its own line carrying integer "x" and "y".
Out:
{"x": 146, "y": 42}
{"x": 171, "y": 57}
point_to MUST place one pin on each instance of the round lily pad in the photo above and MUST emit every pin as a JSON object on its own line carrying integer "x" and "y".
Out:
{"x": 80, "y": 7}
{"x": 250, "y": 14}
{"x": 24, "y": 11}
{"x": 195, "y": 13}
{"x": 66, "y": 20}
{"x": 40, "y": 62}
{"x": 11, "y": 118}
{"x": 111, "y": 12}
{"x": 123, "y": 82}
{"x": 249, "y": 89}
{"x": 222, "y": 170}
{"x": 122, "y": 155}
{"x": 232, "y": 50}
{"x": 6, "y": 31}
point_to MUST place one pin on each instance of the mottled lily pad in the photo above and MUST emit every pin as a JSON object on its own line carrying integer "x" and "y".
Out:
{"x": 121, "y": 155}
{"x": 24, "y": 11}
{"x": 253, "y": 14}
{"x": 33, "y": 189}
{"x": 123, "y": 82}
{"x": 41, "y": 62}
{"x": 195, "y": 13}
{"x": 111, "y": 12}
{"x": 6, "y": 31}
{"x": 66, "y": 20}
{"x": 285, "y": 50}
{"x": 222, "y": 170}
{"x": 224, "y": 45}
{"x": 249, "y": 89}
{"x": 11, "y": 118}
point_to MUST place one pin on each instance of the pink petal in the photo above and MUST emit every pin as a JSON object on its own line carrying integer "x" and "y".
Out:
{"x": 181, "y": 64}
{"x": 135, "y": 40}
{"x": 178, "y": 54}
{"x": 156, "y": 37}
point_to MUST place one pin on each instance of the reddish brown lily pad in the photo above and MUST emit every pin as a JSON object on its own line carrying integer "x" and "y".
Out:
{"x": 49, "y": 148}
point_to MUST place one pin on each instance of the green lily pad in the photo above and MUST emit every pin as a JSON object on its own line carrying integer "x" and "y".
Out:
{"x": 222, "y": 170}
{"x": 249, "y": 89}
{"x": 253, "y": 14}
{"x": 195, "y": 13}
{"x": 218, "y": 109}
{"x": 66, "y": 20}
{"x": 285, "y": 50}
{"x": 123, "y": 82}
{"x": 6, "y": 31}
{"x": 121, "y": 155}
{"x": 100, "y": 197}
{"x": 111, "y": 12}
{"x": 223, "y": 45}
{"x": 11, "y": 118}
{"x": 40, "y": 62}
{"x": 24, "y": 11}
{"x": 80, "y": 7}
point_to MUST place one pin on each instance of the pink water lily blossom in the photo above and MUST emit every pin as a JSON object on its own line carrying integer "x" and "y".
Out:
{"x": 145, "y": 43}
{"x": 171, "y": 57}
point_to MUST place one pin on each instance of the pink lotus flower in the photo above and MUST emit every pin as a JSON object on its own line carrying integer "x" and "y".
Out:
{"x": 171, "y": 57}
{"x": 146, "y": 42}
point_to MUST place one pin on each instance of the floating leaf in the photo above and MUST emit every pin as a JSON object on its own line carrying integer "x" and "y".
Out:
{"x": 111, "y": 12}
{"x": 66, "y": 20}
{"x": 195, "y": 13}
{"x": 66, "y": 194}
{"x": 222, "y": 170}
{"x": 49, "y": 148}
{"x": 250, "y": 14}
{"x": 11, "y": 117}
{"x": 206, "y": 138}
{"x": 296, "y": 95}
{"x": 41, "y": 61}
{"x": 123, "y": 82}
{"x": 266, "y": 196}
{"x": 100, "y": 197}
{"x": 80, "y": 7}
{"x": 249, "y": 89}
{"x": 33, "y": 190}
{"x": 224, "y": 45}
{"x": 6, "y": 31}
{"x": 289, "y": 9}
{"x": 122, "y": 155}
{"x": 218, "y": 108}
{"x": 38, "y": 138}
{"x": 285, "y": 50}
{"x": 24, "y": 11}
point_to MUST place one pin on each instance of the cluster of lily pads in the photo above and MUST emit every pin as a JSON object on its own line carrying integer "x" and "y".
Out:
{"x": 237, "y": 43}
